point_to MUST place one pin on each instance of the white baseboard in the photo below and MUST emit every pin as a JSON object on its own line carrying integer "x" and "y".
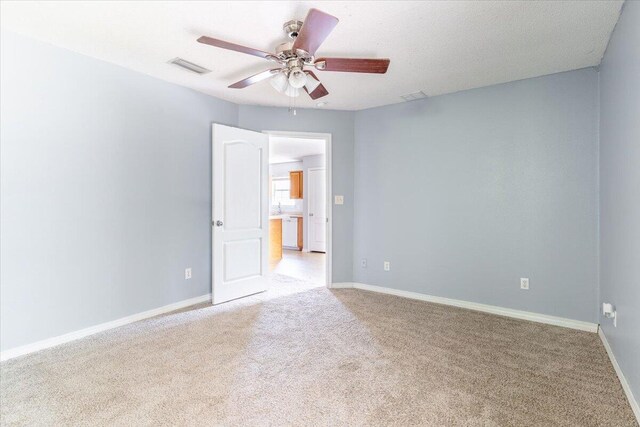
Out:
{"x": 72, "y": 336}
{"x": 623, "y": 381}
{"x": 342, "y": 285}
{"x": 517, "y": 314}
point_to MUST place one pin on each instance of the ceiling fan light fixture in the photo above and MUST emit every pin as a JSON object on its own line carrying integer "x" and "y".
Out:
{"x": 279, "y": 82}
{"x": 297, "y": 78}
{"x": 292, "y": 92}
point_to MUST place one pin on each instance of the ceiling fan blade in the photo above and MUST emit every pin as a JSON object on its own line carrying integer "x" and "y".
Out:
{"x": 319, "y": 91}
{"x": 232, "y": 46}
{"x": 316, "y": 27}
{"x": 353, "y": 65}
{"x": 254, "y": 79}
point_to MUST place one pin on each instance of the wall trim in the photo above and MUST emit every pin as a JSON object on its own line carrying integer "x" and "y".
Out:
{"x": 343, "y": 285}
{"x": 623, "y": 381}
{"x": 72, "y": 336}
{"x": 501, "y": 311}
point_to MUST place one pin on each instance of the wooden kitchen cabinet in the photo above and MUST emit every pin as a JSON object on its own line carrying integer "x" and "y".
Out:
{"x": 300, "y": 242}
{"x": 275, "y": 240}
{"x": 295, "y": 191}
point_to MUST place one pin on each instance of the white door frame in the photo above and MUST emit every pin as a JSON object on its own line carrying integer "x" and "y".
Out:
{"x": 329, "y": 191}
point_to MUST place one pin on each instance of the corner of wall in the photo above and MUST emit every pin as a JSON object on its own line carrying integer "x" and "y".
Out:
{"x": 598, "y": 267}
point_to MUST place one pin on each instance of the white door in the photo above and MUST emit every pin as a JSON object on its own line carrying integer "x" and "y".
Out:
{"x": 240, "y": 213}
{"x": 317, "y": 210}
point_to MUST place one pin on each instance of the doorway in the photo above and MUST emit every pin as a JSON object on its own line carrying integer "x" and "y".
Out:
{"x": 299, "y": 203}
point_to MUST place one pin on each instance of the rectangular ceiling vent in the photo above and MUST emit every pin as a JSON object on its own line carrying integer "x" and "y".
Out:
{"x": 189, "y": 66}
{"x": 414, "y": 96}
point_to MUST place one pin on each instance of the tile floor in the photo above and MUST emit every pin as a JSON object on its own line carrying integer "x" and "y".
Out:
{"x": 309, "y": 266}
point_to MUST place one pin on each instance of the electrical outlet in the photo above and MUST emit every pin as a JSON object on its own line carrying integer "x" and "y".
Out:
{"x": 187, "y": 273}
{"x": 363, "y": 263}
{"x": 609, "y": 311}
{"x": 524, "y": 283}
{"x": 339, "y": 200}
{"x": 387, "y": 266}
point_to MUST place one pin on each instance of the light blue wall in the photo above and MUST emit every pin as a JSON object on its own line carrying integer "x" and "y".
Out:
{"x": 620, "y": 191}
{"x": 466, "y": 193}
{"x": 103, "y": 203}
{"x": 105, "y": 191}
{"x": 340, "y": 125}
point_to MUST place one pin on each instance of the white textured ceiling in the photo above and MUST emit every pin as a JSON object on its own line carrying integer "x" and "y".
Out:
{"x": 285, "y": 149}
{"x": 435, "y": 46}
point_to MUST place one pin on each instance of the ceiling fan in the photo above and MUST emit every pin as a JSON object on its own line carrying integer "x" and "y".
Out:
{"x": 294, "y": 56}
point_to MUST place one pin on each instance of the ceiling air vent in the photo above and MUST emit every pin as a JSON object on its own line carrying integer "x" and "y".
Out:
{"x": 414, "y": 96}
{"x": 189, "y": 66}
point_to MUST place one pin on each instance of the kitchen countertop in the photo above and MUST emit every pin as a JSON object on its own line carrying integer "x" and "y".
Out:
{"x": 286, "y": 215}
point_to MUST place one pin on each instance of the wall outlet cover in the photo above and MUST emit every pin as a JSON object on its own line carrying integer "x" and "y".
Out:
{"x": 363, "y": 263}
{"x": 339, "y": 200}
{"x": 524, "y": 283}
{"x": 387, "y": 266}
{"x": 187, "y": 273}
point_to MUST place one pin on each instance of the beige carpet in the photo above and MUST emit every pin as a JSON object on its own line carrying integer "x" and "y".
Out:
{"x": 320, "y": 357}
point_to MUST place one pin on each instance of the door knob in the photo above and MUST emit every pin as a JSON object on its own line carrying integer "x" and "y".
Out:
{"x": 219, "y": 223}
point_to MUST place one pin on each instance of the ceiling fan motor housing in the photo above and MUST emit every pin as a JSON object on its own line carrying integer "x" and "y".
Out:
{"x": 285, "y": 51}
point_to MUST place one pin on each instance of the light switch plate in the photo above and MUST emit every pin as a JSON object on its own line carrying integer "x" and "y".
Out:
{"x": 339, "y": 200}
